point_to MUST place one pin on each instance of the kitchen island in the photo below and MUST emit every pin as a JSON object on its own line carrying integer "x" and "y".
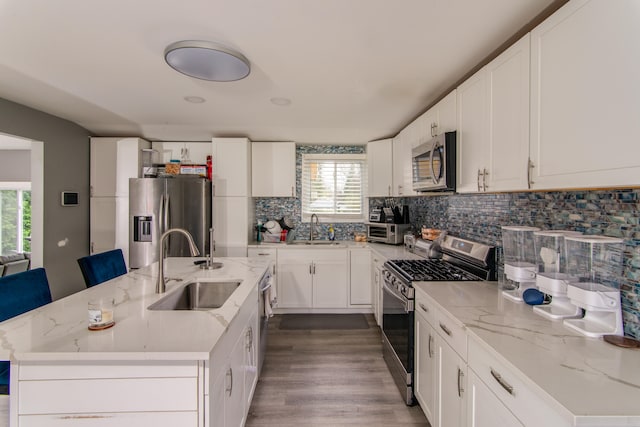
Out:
{"x": 153, "y": 367}
{"x": 517, "y": 368}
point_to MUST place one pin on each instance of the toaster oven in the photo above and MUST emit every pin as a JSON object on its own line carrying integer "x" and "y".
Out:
{"x": 392, "y": 234}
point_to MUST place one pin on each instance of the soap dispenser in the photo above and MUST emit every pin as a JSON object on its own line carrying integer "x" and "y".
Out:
{"x": 332, "y": 233}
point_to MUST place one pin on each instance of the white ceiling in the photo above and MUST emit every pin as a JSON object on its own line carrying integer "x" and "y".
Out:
{"x": 355, "y": 70}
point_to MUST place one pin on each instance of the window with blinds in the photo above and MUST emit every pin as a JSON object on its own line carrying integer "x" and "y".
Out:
{"x": 334, "y": 186}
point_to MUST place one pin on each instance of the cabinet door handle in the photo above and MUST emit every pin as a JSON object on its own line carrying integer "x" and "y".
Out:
{"x": 263, "y": 254}
{"x": 530, "y": 167}
{"x": 478, "y": 180}
{"x": 310, "y": 272}
{"x": 430, "y": 349}
{"x": 389, "y": 189}
{"x": 314, "y": 268}
{"x": 484, "y": 179}
{"x": 229, "y": 388}
{"x": 425, "y": 309}
{"x": 505, "y": 385}
{"x": 445, "y": 329}
{"x": 292, "y": 191}
{"x": 460, "y": 379}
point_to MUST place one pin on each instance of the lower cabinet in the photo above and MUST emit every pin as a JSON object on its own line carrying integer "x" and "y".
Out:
{"x": 440, "y": 378}
{"x": 452, "y": 373}
{"x": 376, "y": 286}
{"x": 426, "y": 368}
{"x": 360, "y": 277}
{"x": 312, "y": 278}
{"x": 484, "y": 409}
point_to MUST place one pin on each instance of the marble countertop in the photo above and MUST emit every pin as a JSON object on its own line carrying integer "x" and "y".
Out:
{"x": 596, "y": 382}
{"x": 58, "y": 331}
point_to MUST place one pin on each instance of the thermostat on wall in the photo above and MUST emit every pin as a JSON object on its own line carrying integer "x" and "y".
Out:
{"x": 69, "y": 198}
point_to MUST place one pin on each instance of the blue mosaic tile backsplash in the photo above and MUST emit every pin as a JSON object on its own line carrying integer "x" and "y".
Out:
{"x": 479, "y": 217}
{"x": 607, "y": 212}
{"x": 277, "y": 207}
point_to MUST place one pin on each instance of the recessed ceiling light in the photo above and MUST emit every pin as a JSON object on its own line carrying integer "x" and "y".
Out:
{"x": 207, "y": 61}
{"x": 195, "y": 99}
{"x": 282, "y": 102}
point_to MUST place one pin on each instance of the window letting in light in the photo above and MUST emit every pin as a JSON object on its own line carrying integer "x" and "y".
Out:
{"x": 334, "y": 187}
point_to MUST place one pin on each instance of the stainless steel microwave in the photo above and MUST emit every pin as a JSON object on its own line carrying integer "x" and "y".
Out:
{"x": 434, "y": 164}
{"x": 392, "y": 234}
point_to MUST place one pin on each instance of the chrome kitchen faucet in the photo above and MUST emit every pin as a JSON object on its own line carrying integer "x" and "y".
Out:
{"x": 161, "y": 284}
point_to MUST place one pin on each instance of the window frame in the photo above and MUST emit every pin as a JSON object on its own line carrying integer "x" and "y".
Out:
{"x": 359, "y": 158}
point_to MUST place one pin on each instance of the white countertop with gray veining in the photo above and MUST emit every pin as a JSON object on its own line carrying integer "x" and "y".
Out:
{"x": 596, "y": 382}
{"x": 58, "y": 331}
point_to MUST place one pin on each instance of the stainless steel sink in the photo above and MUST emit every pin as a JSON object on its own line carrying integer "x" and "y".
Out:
{"x": 197, "y": 295}
{"x": 313, "y": 242}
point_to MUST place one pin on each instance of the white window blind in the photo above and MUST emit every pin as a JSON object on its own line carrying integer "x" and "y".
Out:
{"x": 334, "y": 186}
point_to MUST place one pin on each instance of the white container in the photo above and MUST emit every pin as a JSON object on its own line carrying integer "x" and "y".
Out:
{"x": 519, "y": 261}
{"x": 597, "y": 263}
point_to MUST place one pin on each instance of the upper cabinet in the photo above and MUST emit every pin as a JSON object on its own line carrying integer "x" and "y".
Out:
{"x": 232, "y": 166}
{"x": 438, "y": 119}
{"x": 586, "y": 96}
{"x": 493, "y": 121}
{"x": 112, "y": 162}
{"x": 273, "y": 169}
{"x": 380, "y": 167}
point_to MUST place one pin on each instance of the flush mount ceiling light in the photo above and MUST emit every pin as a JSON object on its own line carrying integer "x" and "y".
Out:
{"x": 207, "y": 61}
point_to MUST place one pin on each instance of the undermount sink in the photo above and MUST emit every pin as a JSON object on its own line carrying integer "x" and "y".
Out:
{"x": 313, "y": 242}
{"x": 197, "y": 295}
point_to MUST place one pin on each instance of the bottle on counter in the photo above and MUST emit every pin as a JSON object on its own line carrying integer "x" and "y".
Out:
{"x": 259, "y": 229}
{"x": 332, "y": 232}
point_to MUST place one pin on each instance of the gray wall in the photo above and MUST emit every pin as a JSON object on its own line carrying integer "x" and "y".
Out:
{"x": 66, "y": 168}
{"x": 15, "y": 165}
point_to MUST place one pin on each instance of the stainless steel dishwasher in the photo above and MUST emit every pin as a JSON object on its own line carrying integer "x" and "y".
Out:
{"x": 264, "y": 286}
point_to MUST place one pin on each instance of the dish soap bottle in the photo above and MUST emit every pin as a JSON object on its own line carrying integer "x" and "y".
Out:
{"x": 332, "y": 233}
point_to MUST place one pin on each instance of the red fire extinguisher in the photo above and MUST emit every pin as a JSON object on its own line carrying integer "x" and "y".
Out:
{"x": 209, "y": 167}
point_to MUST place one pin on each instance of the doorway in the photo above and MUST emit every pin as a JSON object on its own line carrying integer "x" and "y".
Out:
{"x": 27, "y": 190}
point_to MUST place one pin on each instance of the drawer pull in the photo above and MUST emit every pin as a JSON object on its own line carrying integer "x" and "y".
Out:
{"x": 445, "y": 329}
{"x": 263, "y": 254}
{"x": 460, "y": 378}
{"x": 505, "y": 385}
{"x": 425, "y": 309}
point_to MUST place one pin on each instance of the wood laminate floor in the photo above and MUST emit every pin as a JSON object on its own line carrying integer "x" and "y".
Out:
{"x": 328, "y": 378}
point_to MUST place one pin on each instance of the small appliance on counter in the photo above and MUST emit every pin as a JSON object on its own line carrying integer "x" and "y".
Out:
{"x": 552, "y": 277}
{"x": 597, "y": 263}
{"x": 391, "y": 234}
{"x": 391, "y": 214}
{"x": 519, "y": 261}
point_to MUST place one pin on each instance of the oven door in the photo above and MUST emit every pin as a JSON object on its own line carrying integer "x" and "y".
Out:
{"x": 397, "y": 338}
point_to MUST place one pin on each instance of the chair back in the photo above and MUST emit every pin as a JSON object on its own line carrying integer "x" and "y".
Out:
{"x": 19, "y": 293}
{"x": 101, "y": 267}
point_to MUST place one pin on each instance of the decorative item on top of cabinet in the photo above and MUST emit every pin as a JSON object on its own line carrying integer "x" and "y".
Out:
{"x": 585, "y": 97}
{"x": 273, "y": 169}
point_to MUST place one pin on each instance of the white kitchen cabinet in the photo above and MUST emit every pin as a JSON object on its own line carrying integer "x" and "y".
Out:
{"x": 228, "y": 404}
{"x": 265, "y": 253}
{"x": 93, "y": 390}
{"x": 251, "y": 357}
{"x": 493, "y": 120}
{"x": 508, "y": 118}
{"x": 312, "y": 278}
{"x": 452, "y": 371}
{"x": 273, "y": 169}
{"x": 232, "y": 220}
{"x": 402, "y": 178}
{"x": 586, "y": 96}
{"x": 380, "y": 167}
{"x": 440, "y": 381}
{"x": 109, "y": 218}
{"x": 484, "y": 409}
{"x": 472, "y": 137}
{"x": 511, "y": 391}
{"x": 360, "y": 276}
{"x": 112, "y": 162}
{"x": 426, "y": 367}
{"x": 232, "y": 167}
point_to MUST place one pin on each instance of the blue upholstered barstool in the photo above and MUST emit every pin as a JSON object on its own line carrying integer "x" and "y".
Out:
{"x": 101, "y": 267}
{"x": 19, "y": 293}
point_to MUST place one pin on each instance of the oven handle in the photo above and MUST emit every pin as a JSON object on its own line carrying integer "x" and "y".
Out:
{"x": 408, "y": 304}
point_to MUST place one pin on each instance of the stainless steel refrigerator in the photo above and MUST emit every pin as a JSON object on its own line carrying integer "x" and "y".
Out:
{"x": 158, "y": 204}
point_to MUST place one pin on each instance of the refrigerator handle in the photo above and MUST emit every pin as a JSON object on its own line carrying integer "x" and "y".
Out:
{"x": 166, "y": 219}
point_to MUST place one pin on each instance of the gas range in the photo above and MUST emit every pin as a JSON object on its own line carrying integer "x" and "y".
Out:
{"x": 454, "y": 259}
